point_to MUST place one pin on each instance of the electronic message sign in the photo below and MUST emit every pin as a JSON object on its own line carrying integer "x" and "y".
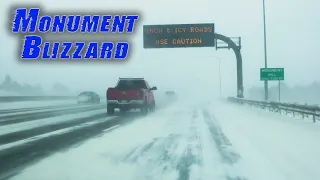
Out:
{"x": 178, "y": 35}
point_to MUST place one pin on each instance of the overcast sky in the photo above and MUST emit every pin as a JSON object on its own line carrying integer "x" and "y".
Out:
{"x": 292, "y": 36}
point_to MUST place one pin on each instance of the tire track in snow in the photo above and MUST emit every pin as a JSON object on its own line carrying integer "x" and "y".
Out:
{"x": 193, "y": 153}
{"x": 155, "y": 156}
{"x": 223, "y": 145}
{"x": 173, "y": 154}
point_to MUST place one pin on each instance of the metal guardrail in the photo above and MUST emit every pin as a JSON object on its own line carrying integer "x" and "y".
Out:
{"x": 279, "y": 107}
{"x": 34, "y": 98}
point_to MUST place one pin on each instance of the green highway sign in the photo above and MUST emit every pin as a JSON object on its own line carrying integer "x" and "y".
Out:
{"x": 271, "y": 74}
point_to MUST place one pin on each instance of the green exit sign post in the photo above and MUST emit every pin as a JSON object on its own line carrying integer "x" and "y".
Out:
{"x": 271, "y": 74}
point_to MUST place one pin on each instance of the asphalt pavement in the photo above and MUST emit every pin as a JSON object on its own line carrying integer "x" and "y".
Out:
{"x": 22, "y": 148}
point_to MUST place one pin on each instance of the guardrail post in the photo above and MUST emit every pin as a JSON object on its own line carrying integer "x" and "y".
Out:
{"x": 314, "y": 116}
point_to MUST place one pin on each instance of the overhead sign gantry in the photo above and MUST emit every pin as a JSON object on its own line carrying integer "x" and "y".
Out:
{"x": 191, "y": 35}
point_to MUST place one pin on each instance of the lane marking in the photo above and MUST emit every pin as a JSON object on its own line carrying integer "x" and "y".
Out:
{"x": 110, "y": 129}
{"x": 44, "y": 110}
{"x": 46, "y": 121}
{"x": 13, "y": 110}
{"x": 55, "y": 133}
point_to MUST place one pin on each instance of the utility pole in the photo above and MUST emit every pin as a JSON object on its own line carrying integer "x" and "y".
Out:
{"x": 220, "y": 76}
{"x": 265, "y": 51}
{"x": 279, "y": 91}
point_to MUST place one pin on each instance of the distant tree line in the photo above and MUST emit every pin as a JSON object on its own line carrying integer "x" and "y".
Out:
{"x": 10, "y": 85}
{"x": 301, "y": 94}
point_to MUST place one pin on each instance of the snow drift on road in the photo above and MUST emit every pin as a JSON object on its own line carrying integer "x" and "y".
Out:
{"x": 193, "y": 140}
{"x": 174, "y": 143}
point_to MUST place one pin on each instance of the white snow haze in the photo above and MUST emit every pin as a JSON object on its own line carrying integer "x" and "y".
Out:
{"x": 198, "y": 132}
{"x": 292, "y": 41}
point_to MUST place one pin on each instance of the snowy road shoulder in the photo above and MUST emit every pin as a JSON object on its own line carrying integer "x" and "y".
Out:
{"x": 272, "y": 146}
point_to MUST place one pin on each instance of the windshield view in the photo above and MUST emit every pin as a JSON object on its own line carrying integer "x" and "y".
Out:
{"x": 160, "y": 90}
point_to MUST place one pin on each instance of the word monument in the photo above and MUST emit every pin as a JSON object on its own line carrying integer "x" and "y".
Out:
{"x": 35, "y": 26}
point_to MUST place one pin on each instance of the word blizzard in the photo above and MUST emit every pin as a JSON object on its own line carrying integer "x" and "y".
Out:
{"x": 34, "y": 47}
